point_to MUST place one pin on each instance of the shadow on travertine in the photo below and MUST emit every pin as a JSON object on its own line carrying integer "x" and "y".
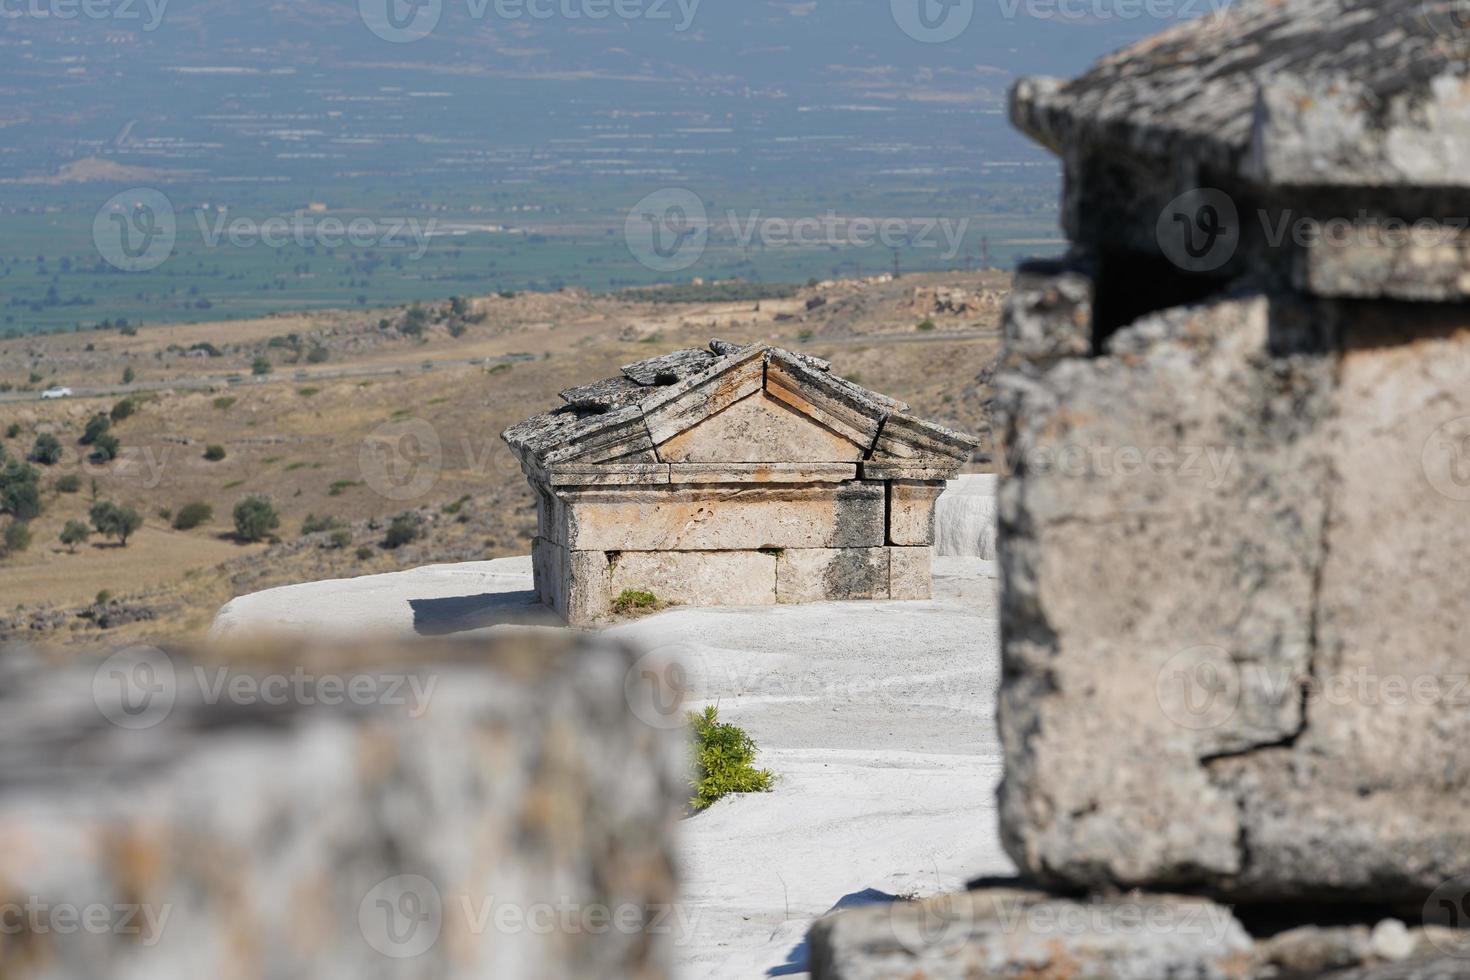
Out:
{"x": 448, "y": 615}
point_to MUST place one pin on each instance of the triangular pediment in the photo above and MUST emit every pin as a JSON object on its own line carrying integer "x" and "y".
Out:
{"x": 759, "y": 429}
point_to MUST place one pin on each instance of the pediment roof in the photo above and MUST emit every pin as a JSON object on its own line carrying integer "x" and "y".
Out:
{"x": 621, "y": 421}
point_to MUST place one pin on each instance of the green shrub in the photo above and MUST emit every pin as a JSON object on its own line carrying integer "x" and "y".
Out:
{"x": 123, "y": 409}
{"x": 457, "y": 506}
{"x": 260, "y": 367}
{"x": 255, "y": 518}
{"x": 113, "y": 521}
{"x": 632, "y": 599}
{"x": 307, "y": 392}
{"x": 316, "y": 525}
{"x": 128, "y": 376}
{"x": 364, "y": 553}
{"x": 224, "y": 403}
{"x": 106, "y": 447}
{"x": 926, "y": 326}
{"x": 192, "y": 515}
{"x": 20, "y": 491}
{"x": 406, "y": 528}
{"x": 68, "y": 483}
{"x": 75, "y": 533}
{"x": 103, "y": 598}
{"x": 17, "y": 537}
{"x": 340, "y": 539}
{"x": 12, "y": 430}
{"x": 339, "y": 487}
{"x": 47, "y": 450}
{"x": 214, "y": 452}
{"x": 317, "y": 355}
{"x": 724, "y": 761}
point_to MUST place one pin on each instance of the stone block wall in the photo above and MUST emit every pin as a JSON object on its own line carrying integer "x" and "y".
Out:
{"x": 455, "y": 810}
{"x": 734, "y": 543}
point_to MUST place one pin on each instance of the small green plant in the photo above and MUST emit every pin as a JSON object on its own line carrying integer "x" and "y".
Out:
{"x": 926, "y": 326}
{"x": 17, "y": 537}
{"x": 105, "y": 448}
{"x": 364, "y": 553}
{"x": 261, "y": 367}
{"x": 255, "y": 519}
{"x": 632, "y": 600}
{"x": 47, "y": 450}
{"x": 307, "y": 392}
{"x": 68, "y": 483}
{"x": 724, "y": 761}
{"x": 457, "y": 506}
{"x": 128, "y": 376}
{"x": 339, "y": 540}
{"x": 123, "y": 409}
{"x": 406, "y": 528}
{"x": 224, "y": 403}
{"x": 340, "y": 487}
{"x": 214, "y": 452}
{"x": 103, "y": 598}
{"x": 312, "y": 524}
{"x": 73, "y": 534}
{"x": 192, "y": 515}
{"x": 12, "y": 430}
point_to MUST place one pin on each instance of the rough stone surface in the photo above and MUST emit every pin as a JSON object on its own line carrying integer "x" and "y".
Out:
{"x": 737, "y": 449}
{"x": 816, "y": 574}
{"x": 249, "y": 838}
{"x": 733, "y": 578}
{"x": 1015, "y": 933}
{"x": 911, "y": 512}
{"x": 910, "y": 574}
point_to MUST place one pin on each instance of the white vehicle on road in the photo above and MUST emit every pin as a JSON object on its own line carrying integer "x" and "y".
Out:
{"x": 52, "y": 393}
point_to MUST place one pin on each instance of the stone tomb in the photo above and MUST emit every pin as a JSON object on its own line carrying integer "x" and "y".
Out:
{"x": 732, "y": 476}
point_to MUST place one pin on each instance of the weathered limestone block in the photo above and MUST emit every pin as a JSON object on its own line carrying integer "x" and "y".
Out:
{"x": 361, "y": 827}
{"x": 763, "y": 472}
{"x": 725, "y": 382}
{"x": 576, "y": 584}
{"x": 759, "y": 429}
{"x": 1015, "y": 933}
{"x": 817, "y": 574}
{"x": 728, "y": 519}
{"x": 1162, "y": 526}
{"x": 1367, "y": 800}
{"x": 698, "y": 578}
{"x": 911, "y": 511}
{"x": 910, "y": 573}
